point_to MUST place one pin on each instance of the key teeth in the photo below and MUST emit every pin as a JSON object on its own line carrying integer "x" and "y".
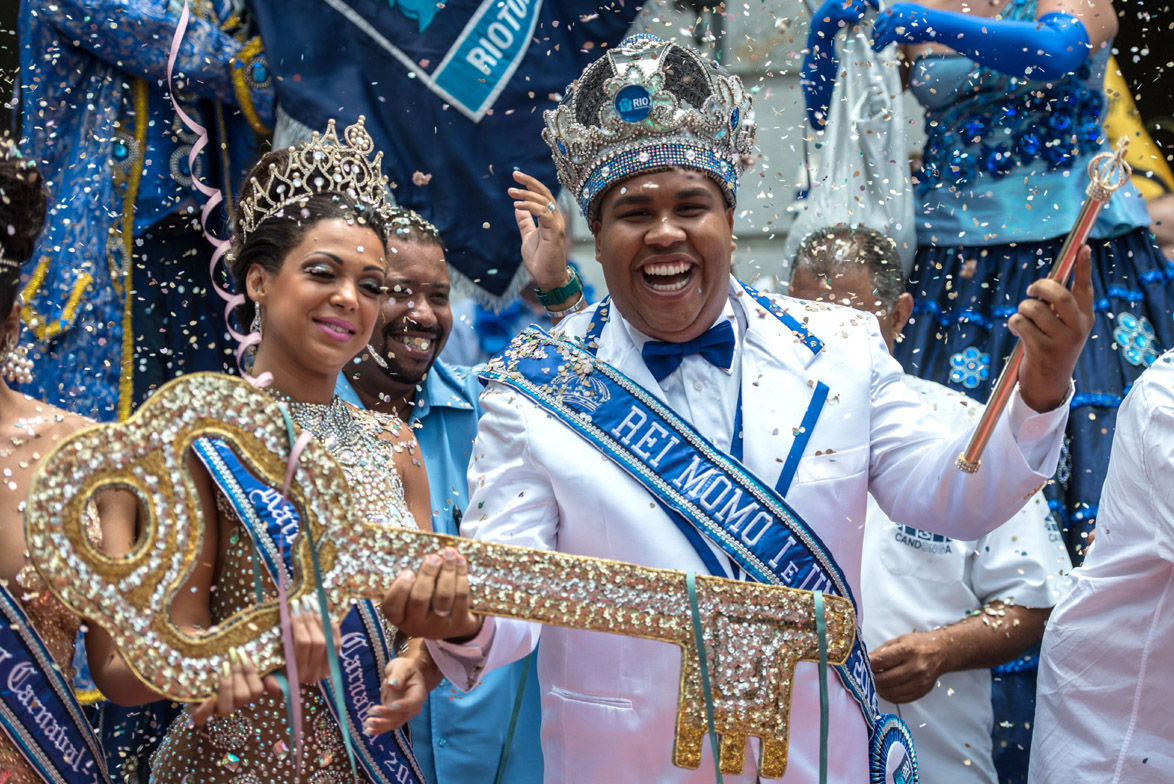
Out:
{"x": 773, "y": 763}
{"x": 687, "y": 747}
{"x": 732, "y": 756}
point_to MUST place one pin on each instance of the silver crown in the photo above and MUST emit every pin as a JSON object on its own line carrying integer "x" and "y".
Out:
{"x": 645, "y": 106}
{"x": 322, "y": 165}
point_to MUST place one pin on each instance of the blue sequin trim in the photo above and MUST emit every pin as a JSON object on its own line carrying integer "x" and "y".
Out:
{"x": 1085, "y": 514}
{"x": 657, "y": 157}
{"x": 1163, "y": 274}
{"x": 1022, "y": 664}
{"x": 1096, "y": 399}
{"x": 927, "y": 307}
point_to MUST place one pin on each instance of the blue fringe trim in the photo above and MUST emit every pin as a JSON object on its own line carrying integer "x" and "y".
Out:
{"x": 1098, "y": 399}
{"x": 1015, "y": 666}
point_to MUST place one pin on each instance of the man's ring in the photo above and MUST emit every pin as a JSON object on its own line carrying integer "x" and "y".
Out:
{"x": 550, "y": 205}
{"x": 441, "y": 613}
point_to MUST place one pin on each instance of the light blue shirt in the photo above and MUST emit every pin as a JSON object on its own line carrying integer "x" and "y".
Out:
{"x": 458, "y": 737}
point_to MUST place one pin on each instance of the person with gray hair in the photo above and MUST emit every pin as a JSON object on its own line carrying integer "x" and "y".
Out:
{"x": 938, "y": 612}
{"x": 854, "y": 266}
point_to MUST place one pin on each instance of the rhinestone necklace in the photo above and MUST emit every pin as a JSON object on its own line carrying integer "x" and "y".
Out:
{"x": 331, "y": 423}
{"x": 367, "y": 459}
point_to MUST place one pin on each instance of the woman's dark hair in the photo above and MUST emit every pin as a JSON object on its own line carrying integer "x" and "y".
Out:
{"x": 22, "y": 215}
{"x": 271, "y": 240}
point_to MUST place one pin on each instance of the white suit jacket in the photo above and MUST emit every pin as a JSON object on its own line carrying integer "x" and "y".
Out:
{"x": 609, "y": 702}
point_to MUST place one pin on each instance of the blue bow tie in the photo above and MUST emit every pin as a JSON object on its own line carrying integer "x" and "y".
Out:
{"x": 716, "y": 345}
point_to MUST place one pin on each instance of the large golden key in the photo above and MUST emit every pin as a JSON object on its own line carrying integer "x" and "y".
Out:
{"x": 753, "y": 634}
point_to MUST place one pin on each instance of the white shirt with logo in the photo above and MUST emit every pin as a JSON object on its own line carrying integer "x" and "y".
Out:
{"x": 914, "y": 581}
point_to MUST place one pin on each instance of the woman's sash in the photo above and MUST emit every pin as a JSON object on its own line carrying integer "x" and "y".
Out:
{"x": 272, "y": 524}
{"x": 698, "y": 485}
{"x": 38, "y": 710}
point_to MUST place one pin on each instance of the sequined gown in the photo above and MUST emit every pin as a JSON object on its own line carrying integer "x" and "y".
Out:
{"x": 251, "y": 746}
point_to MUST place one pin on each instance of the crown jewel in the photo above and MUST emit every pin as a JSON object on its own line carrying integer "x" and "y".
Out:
{"x": 645, "y": 106}
{"x": 322, "y": 165}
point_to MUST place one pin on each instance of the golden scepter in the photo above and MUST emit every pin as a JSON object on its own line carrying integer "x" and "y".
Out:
{"x": 1107, "y": 172}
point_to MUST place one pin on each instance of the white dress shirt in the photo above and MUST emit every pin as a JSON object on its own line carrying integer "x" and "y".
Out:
{"x": 915, "y": 581}
{"x": 1105, "y": 698}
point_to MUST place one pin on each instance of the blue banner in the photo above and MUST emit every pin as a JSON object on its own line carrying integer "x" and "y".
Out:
{"x": 453, "y": 90}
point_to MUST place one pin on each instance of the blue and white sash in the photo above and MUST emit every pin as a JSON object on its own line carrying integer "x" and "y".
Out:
{"x": 273, "y": 524}
{"x": 38, "y": 711}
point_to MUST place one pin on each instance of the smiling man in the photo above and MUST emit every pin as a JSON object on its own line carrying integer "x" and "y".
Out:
{"x": 651, "y": 141}
{"x": 457, "y": 737}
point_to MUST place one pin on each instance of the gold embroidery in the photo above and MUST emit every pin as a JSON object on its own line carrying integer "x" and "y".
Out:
{"x": 238, "y": 67}
{"x": 42, "y": 328}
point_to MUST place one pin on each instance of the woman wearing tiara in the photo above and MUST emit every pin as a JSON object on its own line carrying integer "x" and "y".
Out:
{"x": 308, "y": 254}
{"x": 1014, "y": 99}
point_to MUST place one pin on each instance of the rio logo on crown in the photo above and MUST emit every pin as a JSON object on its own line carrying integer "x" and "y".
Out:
{"x": 633, "y": 103}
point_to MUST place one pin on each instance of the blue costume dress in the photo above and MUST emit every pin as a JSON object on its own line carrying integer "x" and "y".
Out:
{"x": 1003, "y": 178}
{"x": 118, "y": 296}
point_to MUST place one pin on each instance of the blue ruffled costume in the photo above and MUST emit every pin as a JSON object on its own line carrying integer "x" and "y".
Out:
{"x": 1003, "y": 178}
{"x": 98, "y": 120}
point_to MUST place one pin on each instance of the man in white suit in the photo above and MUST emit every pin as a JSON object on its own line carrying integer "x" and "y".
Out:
{"x": 804, "y": 394}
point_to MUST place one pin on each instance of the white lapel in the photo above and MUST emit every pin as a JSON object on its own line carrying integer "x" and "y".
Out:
{"x": 777, "y": 386}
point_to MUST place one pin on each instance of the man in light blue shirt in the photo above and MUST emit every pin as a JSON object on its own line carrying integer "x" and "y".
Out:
{"x": 458, "y": 738}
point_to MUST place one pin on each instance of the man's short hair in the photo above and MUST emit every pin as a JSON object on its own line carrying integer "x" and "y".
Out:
{"x": 826, "y": 251}
{"x": 410, "y": 226}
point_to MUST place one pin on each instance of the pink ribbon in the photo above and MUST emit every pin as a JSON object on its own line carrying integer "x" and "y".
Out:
{"x": 214, "y": 198}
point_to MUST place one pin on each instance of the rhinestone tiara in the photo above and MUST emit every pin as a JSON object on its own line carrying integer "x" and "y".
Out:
{"x": 645, "y": 106}
{"x": 322, "y": 165}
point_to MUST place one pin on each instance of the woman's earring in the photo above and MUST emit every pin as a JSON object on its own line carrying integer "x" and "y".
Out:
{"x": 16, "y": 366}
{"x": 380, "y": 361}
{"x": 256, "y": 325}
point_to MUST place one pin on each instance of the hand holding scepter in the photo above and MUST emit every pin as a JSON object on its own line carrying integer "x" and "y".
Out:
{"x": 1107, "y": 172}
